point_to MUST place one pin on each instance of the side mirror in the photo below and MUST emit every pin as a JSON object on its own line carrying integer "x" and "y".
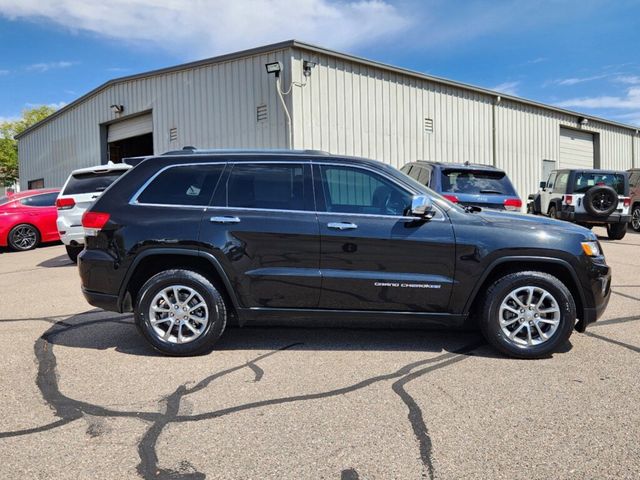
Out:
{"x": 543, "y": 184}
{"x": 421, "y": 206}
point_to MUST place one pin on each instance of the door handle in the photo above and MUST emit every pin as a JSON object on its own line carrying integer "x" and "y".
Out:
{"x": 224, "y": 219}
{"x": 342, "y": 225}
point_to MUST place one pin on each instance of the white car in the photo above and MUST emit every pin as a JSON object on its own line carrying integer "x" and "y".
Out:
{"x": 80, "y": 190}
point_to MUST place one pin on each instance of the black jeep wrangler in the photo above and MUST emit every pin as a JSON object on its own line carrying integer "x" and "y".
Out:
{"x": 586, "y": 197}
{"x": 190, "y": 239}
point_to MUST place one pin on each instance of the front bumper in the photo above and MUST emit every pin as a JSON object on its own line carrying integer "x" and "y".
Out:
{"x": 599, "y": 284}
{"x": 101, "y": 300}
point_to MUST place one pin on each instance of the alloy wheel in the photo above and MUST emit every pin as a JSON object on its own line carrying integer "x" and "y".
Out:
{"x": 635, "y": 219}
{"x": 24, "y": 237}
{"x": 178, "y": 314}
{"x": 529, "y": 316}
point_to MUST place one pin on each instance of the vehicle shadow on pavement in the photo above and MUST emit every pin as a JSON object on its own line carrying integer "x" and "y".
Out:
{"x": 91, "y": 331}
{"x": 59, "y": 261}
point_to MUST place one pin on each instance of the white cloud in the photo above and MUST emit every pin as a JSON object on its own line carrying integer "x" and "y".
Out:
{"x": 45, "y": 67}
{"x": 508, "y": 88}
{"x": 630, "y": 101}
{"x": 208, "y": 27}
{"x": 576, "y": 80}
{"x": 629, "y": 79}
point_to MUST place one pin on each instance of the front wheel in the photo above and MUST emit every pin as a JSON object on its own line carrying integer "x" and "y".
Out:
{"x": 635, "y": 218}
{"x": 24, "y": 237}
{"x": 616, "y": 231}
{"x": 528, "y": 314}
{"x": 180, "y": 313}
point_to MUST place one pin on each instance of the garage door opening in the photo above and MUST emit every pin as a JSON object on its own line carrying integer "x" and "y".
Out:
{"x": 131, "y": 147}
{"x": 132, "y": 137}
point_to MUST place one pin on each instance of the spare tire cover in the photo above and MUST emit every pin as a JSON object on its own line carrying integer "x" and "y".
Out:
{"x": 601, "y": 200}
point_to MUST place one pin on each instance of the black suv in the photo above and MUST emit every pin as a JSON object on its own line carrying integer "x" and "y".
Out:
{"x": 467, "y": 183}
{"x": 188, "y": 240}
{"x": 586, "y": 197}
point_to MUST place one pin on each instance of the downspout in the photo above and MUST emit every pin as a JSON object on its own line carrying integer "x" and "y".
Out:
{"x": 286, "y": 113}
{"x": 493, "y": 131}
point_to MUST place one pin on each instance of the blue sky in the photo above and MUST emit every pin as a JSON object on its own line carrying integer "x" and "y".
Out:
{"x": 581, "y": 55}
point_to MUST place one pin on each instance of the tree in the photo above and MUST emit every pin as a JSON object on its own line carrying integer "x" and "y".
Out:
{"x": 9, "y": 144}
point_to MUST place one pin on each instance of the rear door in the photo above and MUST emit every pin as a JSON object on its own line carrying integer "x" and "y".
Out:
{"x": 263, "y": 229}
{"x": 373, "y": 257}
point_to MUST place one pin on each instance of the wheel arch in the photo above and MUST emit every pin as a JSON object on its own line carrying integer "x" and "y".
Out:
{"x": 557, "y": 267}
{"x": 157, "y": 260}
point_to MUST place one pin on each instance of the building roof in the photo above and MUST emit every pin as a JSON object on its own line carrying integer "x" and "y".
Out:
{"x": 323, "y": 51}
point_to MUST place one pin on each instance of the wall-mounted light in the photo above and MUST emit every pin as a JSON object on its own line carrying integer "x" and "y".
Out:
{"x": 307, "y": 65}
{"x": 583, "y": 121}
{"x": 274, "y": 67}
{"x": 117, "y": 108}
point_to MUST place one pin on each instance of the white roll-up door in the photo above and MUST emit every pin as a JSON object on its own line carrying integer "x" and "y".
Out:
{"x": 131, "y": 127}
{"x": 576, "y": 149}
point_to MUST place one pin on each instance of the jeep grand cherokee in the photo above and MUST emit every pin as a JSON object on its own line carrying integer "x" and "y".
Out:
{"x": 189, "y": 239}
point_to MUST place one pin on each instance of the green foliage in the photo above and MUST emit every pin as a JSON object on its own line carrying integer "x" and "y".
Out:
{"x": 9, "y": 145}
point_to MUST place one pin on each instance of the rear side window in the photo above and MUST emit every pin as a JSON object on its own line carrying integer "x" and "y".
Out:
{"x": 191, "y": 185}
{"x": 561, "y": 183}
{"x": 476, "y": 182}
{"x": 585, "y": 180}
{"x": 267, "y": 186}
{"x": 44, "y": 200}
{"x": 91, "y": 182}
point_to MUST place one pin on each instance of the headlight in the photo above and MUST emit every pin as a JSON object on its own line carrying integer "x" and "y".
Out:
{"x": 591, "y": 249}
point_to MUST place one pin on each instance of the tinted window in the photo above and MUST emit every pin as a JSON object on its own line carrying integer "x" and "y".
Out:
{"x": 585, "y": 180}
{"x": 44, "y": 200}
{"x": 183, "y": 185}
{"x": 561, "y": 182}
{"x": 269, "y": 186}
{"x": 476, "y": 182}
{"x": 353, "y": 190}
{"x": 91, "y": 182}
{"x": 423, "y": 176}
{"x": 633, "y": 180}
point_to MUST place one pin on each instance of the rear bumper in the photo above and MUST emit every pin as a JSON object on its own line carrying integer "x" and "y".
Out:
{"x": 70, "y": 235}
{"x": 571, "y": 216}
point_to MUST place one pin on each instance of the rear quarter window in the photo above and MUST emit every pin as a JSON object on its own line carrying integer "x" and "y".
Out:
{"x": 91, "y": 182}
{"x": 190, "y": 185}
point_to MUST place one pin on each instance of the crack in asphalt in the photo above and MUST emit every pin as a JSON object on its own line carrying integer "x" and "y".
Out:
{"x": 68, "y": 410}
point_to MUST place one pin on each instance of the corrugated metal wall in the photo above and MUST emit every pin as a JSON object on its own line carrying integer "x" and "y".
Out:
{"x": 212, "y": 106}
{"x": 357, "y": 109}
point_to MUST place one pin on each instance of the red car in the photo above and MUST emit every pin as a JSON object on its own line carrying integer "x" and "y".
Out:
{"x": 28, "y": 219}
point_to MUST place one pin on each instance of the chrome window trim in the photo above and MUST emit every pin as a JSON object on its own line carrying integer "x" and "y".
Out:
{"x": 134, "y": 199}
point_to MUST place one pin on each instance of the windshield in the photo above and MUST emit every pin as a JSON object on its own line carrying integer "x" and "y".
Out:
{"x": 91, "y": 182}
{"x": 586, "y": 180}
{"x": 475, "y": 182}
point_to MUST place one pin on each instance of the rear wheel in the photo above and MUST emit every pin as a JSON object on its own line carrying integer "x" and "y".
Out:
{"x": 528, "y": 314}
{"x": 553, "y": 211}
{"x": 24, "y": 237}
{"x": 635, "y": 218}
{"x": 73, "y": 251}
{"x": 180, "y": 313}
{"x": 616, "y": 231}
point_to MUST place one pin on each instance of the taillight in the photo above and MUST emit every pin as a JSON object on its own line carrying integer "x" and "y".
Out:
{"x": 512, "y": 204}
{"x": 451, "y": 198}
{"x": 568, "y": 199}
{"x": 626, "y": 201}
{"x": 93, "y": 222}
{"x": 65, "y": 203}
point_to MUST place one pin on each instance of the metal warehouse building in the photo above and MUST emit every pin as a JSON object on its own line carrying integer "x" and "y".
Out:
{"x": 347, "y": 105}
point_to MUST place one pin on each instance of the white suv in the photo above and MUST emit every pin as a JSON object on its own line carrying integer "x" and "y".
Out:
{"x": 80, "y": 190}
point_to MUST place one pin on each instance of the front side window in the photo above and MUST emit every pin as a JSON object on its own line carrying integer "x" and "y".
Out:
{"x": 552, "y": 180}
{"x": 267, "y": 186}
{"x": 44, "y": 200}
{"x": 354, "y": 190}
{"x": 188, "y": 185}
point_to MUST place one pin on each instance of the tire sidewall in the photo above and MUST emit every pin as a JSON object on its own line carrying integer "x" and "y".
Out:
{"x": 588, "y": 201}
{"x": 634, "y": 209}
{"x": 491, "y": 326}
{"x": 616, "y": 231}
{"x": 17, "y": 248}
{"x": 73, "y": 252}
{"x": 211, "y": 296}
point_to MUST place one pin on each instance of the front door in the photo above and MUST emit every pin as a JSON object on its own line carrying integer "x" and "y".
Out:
{"x": 545, "y": 193}
{"x": 373, "y": 257}
{"x": 263, "y": 228}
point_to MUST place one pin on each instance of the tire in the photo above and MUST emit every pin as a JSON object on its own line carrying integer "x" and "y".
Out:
{"x": 600, "y": 201}
{"x": 73, "y": 251}
{"x": 558, "y": 326}
{"x": 185, "y": 282}
{"x": 635, "y": 217}
{"x": 616, "y": 231}
{"x": 24, "y": 237}
{"x": 586, "y": 225}
{"x": 553, "y": 212}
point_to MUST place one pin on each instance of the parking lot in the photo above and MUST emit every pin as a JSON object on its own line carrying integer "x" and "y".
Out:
{"x": 84, "y": 396}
